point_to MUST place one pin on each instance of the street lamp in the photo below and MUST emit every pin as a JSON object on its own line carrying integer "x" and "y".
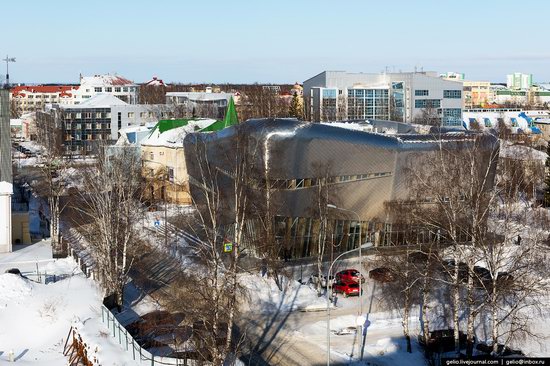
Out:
{"x": 366, "y": 245}
{"x": 360, "y": 254}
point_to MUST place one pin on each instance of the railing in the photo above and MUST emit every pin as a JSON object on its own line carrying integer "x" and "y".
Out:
{"x": 140, "y": 354}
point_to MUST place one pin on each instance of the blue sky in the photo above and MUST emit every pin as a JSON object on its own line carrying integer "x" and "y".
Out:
{"x": 273, "y": 41}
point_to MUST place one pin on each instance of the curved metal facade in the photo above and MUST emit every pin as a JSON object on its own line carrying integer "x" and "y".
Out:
{"x": 366, "y": 169}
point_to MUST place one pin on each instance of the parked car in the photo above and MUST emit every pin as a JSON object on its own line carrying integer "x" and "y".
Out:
{"x": 382, "y": 274}
{"x": 349, "y": 276}
{"x": 346, "y": 288}
{"x": 14, "y": 271}
{"x": 449, "y": 267}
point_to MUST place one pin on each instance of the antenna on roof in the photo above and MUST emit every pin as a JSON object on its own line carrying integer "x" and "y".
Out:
{"x": 8, "y": 60}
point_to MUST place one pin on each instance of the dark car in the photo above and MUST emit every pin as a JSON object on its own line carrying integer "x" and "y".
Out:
{"x": 382, "y": 274}
{"x": 14, "y": 271}
{"x": 449, "y": 268}
{"x": 349, "y": 276}
{"x": 346, "y": 288}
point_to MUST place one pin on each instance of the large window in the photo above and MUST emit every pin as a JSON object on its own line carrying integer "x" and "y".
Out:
{"x": 427, "y": 103}
{"x": 421, "y": 93}
{"x": 368, "y": 104}
{"x": 452, "y": 116}
{"x": 452, "y": 94}
{"x": 329, "y": 93}
{"x": 98, "y": 89}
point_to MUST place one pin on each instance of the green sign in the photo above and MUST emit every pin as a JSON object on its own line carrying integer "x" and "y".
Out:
{"x": 228, "y": 247}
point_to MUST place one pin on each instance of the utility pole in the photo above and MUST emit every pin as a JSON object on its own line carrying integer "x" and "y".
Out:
{"x": 8, "y": 60}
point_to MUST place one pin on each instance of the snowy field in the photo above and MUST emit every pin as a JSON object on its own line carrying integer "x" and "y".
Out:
{"x": 35, "y": 318}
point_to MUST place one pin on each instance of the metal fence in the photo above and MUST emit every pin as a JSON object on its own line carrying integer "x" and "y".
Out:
{"x": 138, "y": 353}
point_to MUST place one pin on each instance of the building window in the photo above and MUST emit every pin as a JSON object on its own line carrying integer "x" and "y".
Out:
{"x": 427, "y": 103}
{"x": 78, "y": 116}
{"x": 421, "y": 93}
{"x": 108, "y": 89}
{"x": 143, "y": 115}
{"x": 117, "y": 89}
{"x": 171, "y": 174}
{"x": 97, "y": 89}
{"x": 151, "y": 156}
{"x": 329, "y": 93}
{"x": 98, "y": 115}
{"x": 125, "y": 89}
{"x": 88, "y": 115}
{"x": 452, "y": 116}
{"x": 130, "y": 114}
{"x": 452, "y": 94}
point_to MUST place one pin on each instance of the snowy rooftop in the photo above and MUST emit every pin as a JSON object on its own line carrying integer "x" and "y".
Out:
{"x": 105, "y": 80}
{"x": 174, "y": 137}
{"x": 101, "y": 100}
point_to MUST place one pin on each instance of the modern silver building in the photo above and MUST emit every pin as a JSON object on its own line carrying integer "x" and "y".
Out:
{"x": 357, "y": 171}
{"x": 339, "y": 95}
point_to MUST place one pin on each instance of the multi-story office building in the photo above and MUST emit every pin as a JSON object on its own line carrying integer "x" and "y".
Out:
{"x": 519, "y": 81}
{"x": 339, "y": 95}
{"x": 99, "y": 119}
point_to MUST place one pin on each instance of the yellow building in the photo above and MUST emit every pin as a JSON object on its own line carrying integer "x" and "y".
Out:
{"x": 20, "y": 227}
{"x": 163, "y": 160}
{"x": 476, "y": 93}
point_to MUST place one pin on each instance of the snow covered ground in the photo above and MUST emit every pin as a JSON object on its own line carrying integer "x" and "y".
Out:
{"x": 35, "y": 318}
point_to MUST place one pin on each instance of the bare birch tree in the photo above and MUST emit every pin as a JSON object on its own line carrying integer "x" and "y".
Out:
{"x": 110, "y": 202}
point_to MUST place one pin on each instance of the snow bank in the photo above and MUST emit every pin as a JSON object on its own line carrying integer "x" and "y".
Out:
{"x": 14, "y": 288}
{"x": 35, "y": 318}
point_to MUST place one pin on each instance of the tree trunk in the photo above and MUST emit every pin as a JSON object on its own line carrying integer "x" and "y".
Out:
{"x": 471, "y": 314}
{"x": 456, "y": 306}
{"x": 405, "y": 320}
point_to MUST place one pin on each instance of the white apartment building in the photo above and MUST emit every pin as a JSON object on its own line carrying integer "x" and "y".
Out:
{"x": 32, "y": 98}
{"x": 114, "y": 85}
{"x": 35, "y": 97}
{"x": 339, "y": 95}
{"x": 519, "y": 81}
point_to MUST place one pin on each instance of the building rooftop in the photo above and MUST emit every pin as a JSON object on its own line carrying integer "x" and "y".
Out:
{"x": 63, "y": 90}
{"x": 170, "y": 133}
{"x": 105, "y": 80}
{"x": 101, "y": 100}
{"x": 200, "y": 96}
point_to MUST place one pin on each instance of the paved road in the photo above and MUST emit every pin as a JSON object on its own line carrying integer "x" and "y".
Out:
{"x": 298, "y": 338}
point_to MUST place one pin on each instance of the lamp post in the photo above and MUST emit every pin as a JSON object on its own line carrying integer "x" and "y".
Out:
{"x": 360, "y": 253}
{"x": 366, "y": 245}
{"x": 359, "y": 327}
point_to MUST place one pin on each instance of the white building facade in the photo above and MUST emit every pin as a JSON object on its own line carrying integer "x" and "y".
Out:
{"x": 338, "y": 95}
{"x": 114, "y": 85}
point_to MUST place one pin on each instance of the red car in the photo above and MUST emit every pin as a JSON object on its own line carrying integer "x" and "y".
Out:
{"x": 346, "y": 288}
{"x": 349, "y": 276}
